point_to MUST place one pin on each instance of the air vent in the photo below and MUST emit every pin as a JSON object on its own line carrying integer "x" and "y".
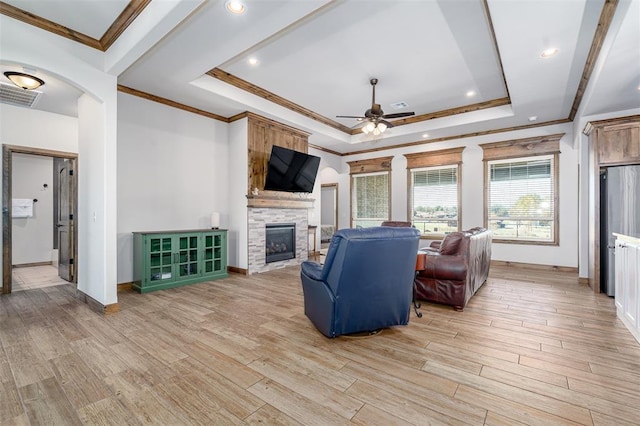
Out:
{"x": 14, "y": 95}
{"x": 399, "y": 105}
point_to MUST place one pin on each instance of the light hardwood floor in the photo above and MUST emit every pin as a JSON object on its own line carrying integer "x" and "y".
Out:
{"x": 31, "y": 277}
{"x": 532, "y": 347}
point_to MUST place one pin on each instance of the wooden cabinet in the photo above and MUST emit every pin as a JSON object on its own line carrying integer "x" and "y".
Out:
{"x": 173, "y": 258}
{"x": 627, "y": 296}
{"x": 618, "y": 142}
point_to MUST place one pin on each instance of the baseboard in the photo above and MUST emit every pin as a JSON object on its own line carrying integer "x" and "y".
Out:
{"x": 584, "y": 281}
{"x": 96, "y": 306}
{"x": 534, "y": 266}
{"x": 125, "y": 287}
{"x": 237, "y": 270}
{"x": 29, "y": 265}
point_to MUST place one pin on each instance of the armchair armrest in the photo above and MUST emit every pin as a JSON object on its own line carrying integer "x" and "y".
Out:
{"x": 445, "y": 267}
{"x": 312, "y": 270}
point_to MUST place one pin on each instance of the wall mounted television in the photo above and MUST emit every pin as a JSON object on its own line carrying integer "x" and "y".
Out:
{"x": 291, "y": 171}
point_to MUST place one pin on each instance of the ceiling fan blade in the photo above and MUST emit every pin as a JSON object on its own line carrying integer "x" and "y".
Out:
{"x": 399, "y": 115}
{"x": 386, "y": 123}
{"x": 351, "y": 116}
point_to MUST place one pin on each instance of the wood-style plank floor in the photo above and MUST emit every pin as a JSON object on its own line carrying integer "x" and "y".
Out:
{"x": 532, "y": 347}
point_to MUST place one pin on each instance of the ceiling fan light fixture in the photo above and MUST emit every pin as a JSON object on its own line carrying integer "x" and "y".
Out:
{"x": 381, "y": 127}
{"x": 26, "y": 81}
{"x": 368, "y": 128}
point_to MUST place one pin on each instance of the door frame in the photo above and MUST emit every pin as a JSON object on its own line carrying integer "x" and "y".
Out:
{"x": 334, "y": 186}
{"x": 7, "y": 221}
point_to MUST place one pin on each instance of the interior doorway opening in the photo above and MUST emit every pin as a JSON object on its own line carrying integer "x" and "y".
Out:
{"x": 63, "y": 214}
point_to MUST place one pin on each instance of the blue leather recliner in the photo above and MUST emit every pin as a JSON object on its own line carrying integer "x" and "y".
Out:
{"x": 366, "y": 282}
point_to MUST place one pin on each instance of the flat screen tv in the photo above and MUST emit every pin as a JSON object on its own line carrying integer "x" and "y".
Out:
{"x": 291, "y": 171}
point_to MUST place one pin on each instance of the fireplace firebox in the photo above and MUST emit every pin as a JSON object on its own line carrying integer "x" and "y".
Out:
{"x": 280, "y": 242}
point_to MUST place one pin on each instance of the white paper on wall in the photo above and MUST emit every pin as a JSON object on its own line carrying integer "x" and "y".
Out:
{"x": 22, "y": 207}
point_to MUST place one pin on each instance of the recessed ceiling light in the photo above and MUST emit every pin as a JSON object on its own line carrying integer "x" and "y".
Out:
{"x": 425, "y": 135}
{"x": 253, "y": 61}
{"x": 533, "y": 118}
{"x": 471, "y": 94}
{"x": 235, "y": 6}
{"x": 549, "y": 52}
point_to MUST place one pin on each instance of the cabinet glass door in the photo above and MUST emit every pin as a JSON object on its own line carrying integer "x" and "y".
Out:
{"x": 213, "y": 253}
{"x": 187, "y": 255}
{"x": 160, "y": 259}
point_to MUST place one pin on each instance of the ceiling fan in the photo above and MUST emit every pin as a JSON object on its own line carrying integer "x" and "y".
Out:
{"x": 375, "y": 117}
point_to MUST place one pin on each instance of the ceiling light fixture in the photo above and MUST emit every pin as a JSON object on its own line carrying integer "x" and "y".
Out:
{"x": 471, "y": 94}
{"x": 548, "y": 52}
{"x": 533, "y": 118}
{"x": 374, "y": 128}
{"x": 253, "y": 61}
{"x": 425, "y": 135}
{"x": 235, "y": 6}
{"x": 26, "y": 81}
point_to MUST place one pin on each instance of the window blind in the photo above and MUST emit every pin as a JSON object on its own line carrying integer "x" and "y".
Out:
{"x": 434, "y": 199}
{"x": 370, "y": 199}
{"x": 521, "y": 198}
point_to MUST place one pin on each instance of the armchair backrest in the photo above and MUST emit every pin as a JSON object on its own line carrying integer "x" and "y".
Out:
{"x": 370, "y": 269}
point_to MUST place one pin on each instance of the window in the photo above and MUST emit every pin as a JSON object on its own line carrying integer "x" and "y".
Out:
{"x": 370, "y": 192}
{"x": 521, "y": 192}
{"x": 434, "y": 199}
{"x": 434, "y": 191}
{"x": 370, "y": 203}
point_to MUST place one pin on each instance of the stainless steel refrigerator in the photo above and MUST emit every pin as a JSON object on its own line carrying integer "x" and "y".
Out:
{"x": 619, "y": 212}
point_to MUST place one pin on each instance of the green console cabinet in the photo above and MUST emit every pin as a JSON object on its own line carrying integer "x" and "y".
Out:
{"x": 166, "y": 259}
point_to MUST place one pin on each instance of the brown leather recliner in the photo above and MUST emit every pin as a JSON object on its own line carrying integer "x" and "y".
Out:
{"x": 454, "y": 269}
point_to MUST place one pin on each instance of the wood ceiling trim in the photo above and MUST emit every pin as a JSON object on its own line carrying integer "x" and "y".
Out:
{"x": 321, "y": 148}
{"x": 168, "y": 102}
{"x": 126, "y": 17}
{"x": 45, "y": 24}
{"x": 452, "y": 111}
{"x": 272, "y": 97}
{"x": 604, "y": 22}
{"x": 265, "y": 94}
{"x": 463, "y": 136}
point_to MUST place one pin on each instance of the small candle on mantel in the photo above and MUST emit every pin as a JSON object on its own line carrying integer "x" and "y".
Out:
{"x": 215, "y": 220}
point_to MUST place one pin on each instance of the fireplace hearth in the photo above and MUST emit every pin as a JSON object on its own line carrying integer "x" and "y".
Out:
{"x": 280, "y": 242}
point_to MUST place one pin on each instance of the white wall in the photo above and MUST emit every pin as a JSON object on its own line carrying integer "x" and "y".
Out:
{"x": 172, "y": 172}
{"x": 32, "y": 237}
{"x": 238, "y": 158}
{"x": 565, "y": 254}
{"x": 81, "y": 66}
{"x": 38, "y": 129}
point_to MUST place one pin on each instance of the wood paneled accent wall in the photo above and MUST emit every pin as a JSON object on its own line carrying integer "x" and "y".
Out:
{"x": 264, "y": 134}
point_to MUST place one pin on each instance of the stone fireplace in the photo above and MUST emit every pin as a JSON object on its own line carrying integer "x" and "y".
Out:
{"x": 258, "y": 218}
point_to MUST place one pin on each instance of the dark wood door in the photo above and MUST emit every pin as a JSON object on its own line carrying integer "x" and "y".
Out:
{"x": 66, "y": 219}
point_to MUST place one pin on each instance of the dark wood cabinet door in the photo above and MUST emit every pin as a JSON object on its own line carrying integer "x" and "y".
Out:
{"x": 619, "y": 144}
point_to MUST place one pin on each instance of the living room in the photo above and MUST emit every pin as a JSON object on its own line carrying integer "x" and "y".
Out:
{"x": 148, "y": 165}
{"x": 116, "y": 218}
